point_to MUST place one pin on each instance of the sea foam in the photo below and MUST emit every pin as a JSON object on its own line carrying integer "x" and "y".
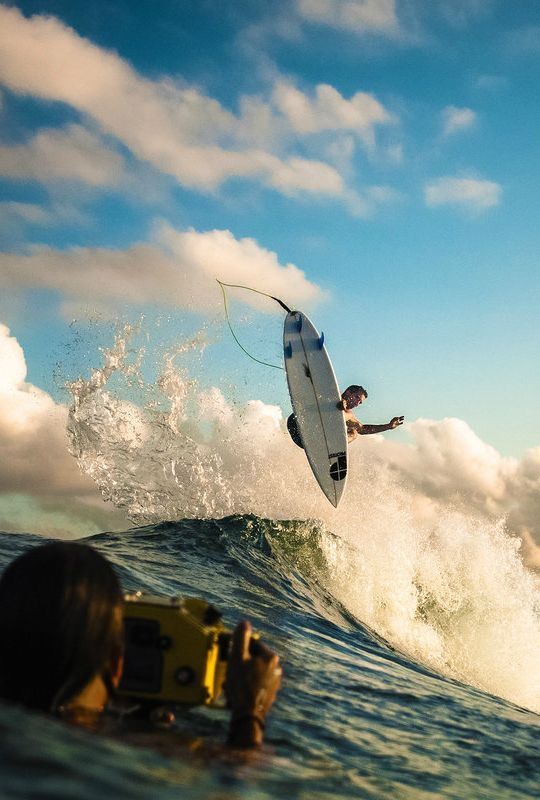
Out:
{"x": 438, "y": 575}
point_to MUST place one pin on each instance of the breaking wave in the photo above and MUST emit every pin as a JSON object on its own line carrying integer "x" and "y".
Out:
{"x": 439, "y": 579}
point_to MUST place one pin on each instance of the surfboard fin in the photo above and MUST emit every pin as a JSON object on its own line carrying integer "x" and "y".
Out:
{"x": 321, "y": 340}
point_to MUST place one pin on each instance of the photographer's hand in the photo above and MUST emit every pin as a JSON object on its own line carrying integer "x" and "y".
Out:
{"x": 253, "y": 680}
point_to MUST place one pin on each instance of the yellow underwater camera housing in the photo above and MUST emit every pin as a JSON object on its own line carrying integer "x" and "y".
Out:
{"x": 176, "y": 651}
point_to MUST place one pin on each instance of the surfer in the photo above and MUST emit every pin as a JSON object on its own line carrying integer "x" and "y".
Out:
{"x": 62, "y": 647}
{"x": 352, "y": 397}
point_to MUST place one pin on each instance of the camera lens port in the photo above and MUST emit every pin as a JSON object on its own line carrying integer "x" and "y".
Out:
{"x": 184, "y": 676}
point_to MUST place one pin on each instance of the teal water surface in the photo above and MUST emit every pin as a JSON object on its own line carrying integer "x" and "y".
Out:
{"x": 355, "y": 718}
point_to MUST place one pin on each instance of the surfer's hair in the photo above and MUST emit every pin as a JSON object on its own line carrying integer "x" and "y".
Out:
{"x": 355, "y": 390}
{"x": 60, "y": 624}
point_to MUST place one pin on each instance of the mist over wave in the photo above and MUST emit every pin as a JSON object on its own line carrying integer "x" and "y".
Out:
{"x": 419, "y": 550}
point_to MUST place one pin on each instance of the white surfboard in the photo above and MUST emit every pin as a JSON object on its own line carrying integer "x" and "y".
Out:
{"x": 315, "y": 398}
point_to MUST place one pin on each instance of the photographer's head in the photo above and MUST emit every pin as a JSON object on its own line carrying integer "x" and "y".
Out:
{"x": 60, "y": 627}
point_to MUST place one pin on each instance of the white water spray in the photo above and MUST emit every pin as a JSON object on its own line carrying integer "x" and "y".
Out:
{"x": 440, "y": 580}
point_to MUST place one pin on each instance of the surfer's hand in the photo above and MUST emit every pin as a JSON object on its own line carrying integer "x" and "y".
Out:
{"x": 395, "y": 421}
{"x": 253, "y": 681}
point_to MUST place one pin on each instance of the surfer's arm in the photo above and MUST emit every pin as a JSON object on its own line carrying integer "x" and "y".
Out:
{"x": 356, "y": 428}
{"x": 364, "y": 430}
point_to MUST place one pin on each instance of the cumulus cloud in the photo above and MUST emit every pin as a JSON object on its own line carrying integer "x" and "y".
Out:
{"x": 37, "y": 474}
{"x": 359, "y": 16}
{"x": 178, "y": 270}
{"x": 31, "y": 213}
{"x": 330, "y": 111}
{"x": 474, "y": 194}
{"x": 147, "y": 116}
{"x": 170, "y": 126}
{"x": 457, "y": 119}
{"x": 299, "y": 175}
{"x": 448, "y": 459}
{"x": 447, "y": 465}
{"x": 175, "y": 128}
{"x": 218, "y": 254}
{"x": 73, "y": 154}
{"x": 531, "y": 550}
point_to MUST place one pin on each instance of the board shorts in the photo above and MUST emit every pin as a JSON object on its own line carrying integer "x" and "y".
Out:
{"x": 292, "y": 427}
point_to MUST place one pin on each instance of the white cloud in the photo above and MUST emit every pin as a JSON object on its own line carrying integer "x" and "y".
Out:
{"x": 457, "y": 119}
{"x": 359, "y": 16}
{"x": 448, "y": 466}
{"x": 474, "y": 194}
{"x": 330, "y": 111}
{"x": 177, "y": 129}
{"x": 203, "y": 257}
{"x": 64, "y": 206}
{"x": 297, "y": 175}
{"x": 36, "y": 470}
{"x": 70, "y": 154}
{"x": 172, "y": 127}
{"x": 459, "y": 13}
{"x": 13, "y": 372}
{"x": 32, "y": 431}
{"x": 491, "y": 83}
{"x": 178, "y": 270}
{"x": 531, "y": 550}
{"x": 523, "y": 41}
{"x": 448, "y": 458}
{"x": 13, "y": 211}
{"x": 406, "y": 22}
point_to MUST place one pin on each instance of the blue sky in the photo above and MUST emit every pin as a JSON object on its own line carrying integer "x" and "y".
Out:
{"x": 388, "y": 150}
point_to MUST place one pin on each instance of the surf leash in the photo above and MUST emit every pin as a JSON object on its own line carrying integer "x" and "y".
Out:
{"x": 226, "y": 305}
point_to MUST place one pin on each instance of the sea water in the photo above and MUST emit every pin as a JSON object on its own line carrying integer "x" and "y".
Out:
{"x": 408, "y": 627}
{"x": 356, "y": 717}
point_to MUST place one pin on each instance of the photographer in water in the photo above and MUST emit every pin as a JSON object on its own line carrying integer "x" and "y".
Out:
{"x": 62, "y": 643}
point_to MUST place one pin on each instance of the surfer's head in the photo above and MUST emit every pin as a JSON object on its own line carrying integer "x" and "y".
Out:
{"x": 60, "y": 625}
{"x": 354, "y": 396}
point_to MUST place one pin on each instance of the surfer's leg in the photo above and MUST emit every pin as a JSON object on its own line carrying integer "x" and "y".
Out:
{"x": 292, "y": 427}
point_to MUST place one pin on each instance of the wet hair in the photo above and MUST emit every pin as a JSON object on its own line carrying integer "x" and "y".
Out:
{"x": 60, "y": 624}
{"x": 354, "y": 390}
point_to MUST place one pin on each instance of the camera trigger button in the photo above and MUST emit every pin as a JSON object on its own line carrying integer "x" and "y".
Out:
{"x": 164, "y": 643}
